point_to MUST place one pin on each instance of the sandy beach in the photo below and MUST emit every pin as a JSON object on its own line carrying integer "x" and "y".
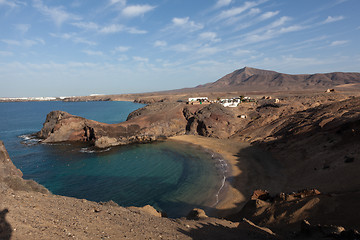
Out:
{"x": 251, "y": 168}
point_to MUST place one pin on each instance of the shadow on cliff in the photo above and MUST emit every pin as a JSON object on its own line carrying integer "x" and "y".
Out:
{"x": 259, "y": 170}
{"x": 212, "y": 231}
{"x": 215, "y": 231}
{"x": 5, "y": 227}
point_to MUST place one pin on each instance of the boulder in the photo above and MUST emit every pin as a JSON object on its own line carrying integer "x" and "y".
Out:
{"x": 196, "y": 214}
{"x": 147, "y": 209}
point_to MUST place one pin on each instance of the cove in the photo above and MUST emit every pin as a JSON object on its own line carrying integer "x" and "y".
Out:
{"x": 173, "y": 177}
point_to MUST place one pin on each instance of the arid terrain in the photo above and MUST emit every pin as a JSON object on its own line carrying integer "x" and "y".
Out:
{"x": 301, "y": 148}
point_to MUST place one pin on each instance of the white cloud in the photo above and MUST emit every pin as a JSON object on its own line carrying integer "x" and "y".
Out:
{"x": 6, "y": 53}
{"x": 135, "y": 30}
{"x": 113, "y": 28}
{"x": 86, "y": 25}
{"x": 122, "y": 49}
{"x": 338, "y": 43}
{"x": 93, "y": 53}
{"x": 24, "y": 43}
{"x": 22, "y": 28}
{"x": 181, "y": 48}
{"x": 136, "y": 10}
{"x": 186, "y": 24}
{"x": 82, "y": 40}
{"x": 140, "y": 59}
{"x": 209, "y": 36}
{"x": 293, "y": 28}
{"x": 271, "y": 31}
{"x": 57, "y": 14}
{"x": 222, "y": 3}
{"x": 74, "y": 38}
{"x": 279, "y": 22}
{"x": 268, "y": 15}
{"x": 11, "y": 3}
{"x": 160, "y": 43}
{"x": 236, "y": 10}
{"x": 331, "y": 19}
{"x": 120, "y": 2}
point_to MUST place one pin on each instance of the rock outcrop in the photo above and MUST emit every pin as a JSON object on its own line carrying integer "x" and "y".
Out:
{"x": 11, "y": 177}
{"x": 147, "y": 124}
{"x": 289, "y": 210}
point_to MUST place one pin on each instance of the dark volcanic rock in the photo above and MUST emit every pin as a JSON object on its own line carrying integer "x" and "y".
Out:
{"x": 213, "y": 120}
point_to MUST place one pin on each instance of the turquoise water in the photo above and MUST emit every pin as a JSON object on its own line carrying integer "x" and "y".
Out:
{"x": 173, "y": 177}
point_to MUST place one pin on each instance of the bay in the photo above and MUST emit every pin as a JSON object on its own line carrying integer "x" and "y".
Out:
{"x": 173, "y": 177}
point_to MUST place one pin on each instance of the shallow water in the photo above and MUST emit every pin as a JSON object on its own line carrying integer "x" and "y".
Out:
{"x": 173, "y": 177}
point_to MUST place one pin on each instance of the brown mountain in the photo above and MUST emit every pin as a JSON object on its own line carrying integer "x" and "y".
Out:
{"x": 252, "y": 79}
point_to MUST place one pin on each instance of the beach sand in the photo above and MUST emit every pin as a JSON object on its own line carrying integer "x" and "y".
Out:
{"x": 250, "y": 168}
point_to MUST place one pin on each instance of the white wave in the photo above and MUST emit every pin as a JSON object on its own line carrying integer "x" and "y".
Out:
{"x": 86, "y": 150}
{"x": 29, "y": 139}
{"x": 218, "y": 193}
{"x": 92, "y": 150}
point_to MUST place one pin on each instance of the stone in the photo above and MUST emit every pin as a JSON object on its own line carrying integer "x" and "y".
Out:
{"x": 196, "y": 214}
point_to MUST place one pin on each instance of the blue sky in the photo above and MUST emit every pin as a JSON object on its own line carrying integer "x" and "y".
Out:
{"x": 82, "y": 47}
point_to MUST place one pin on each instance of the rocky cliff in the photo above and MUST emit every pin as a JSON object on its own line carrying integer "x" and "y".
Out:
{"x": 147, "y": 124}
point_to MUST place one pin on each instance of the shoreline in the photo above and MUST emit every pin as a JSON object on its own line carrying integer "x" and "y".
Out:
{"x": 232, "y": 195}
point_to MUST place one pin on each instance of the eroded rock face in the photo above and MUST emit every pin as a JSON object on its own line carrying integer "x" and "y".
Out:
{"x": 147, "y": 124}
{"x": 11, "y": 177}
{"x": 213, "y": 120}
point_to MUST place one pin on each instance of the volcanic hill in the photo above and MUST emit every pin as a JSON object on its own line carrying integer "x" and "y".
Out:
{"x": 252, "y": 79}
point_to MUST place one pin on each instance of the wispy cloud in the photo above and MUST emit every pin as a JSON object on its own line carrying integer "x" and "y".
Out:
{"x": 12, "y": 3}
{"x": 235, "y": 10}
{"x": 338, "y": 43}
{"x": 22, "y": 28}
{"x": 222, "y": 3}
{"x": 120, "y": 2}
{"x": 122, "y": 49}
{"x": 113, "y": 28}
{"x": 6, "y": 53}
{"x": 93, "y": 53}
{"x": 140, "y": 59}
{"x": 74, "y": 38}
{"x": 109, "y": 29}
{"x": 86, "y": 25}
{"x": 262, "y": 17}
{"x": 209, "y": 36}
{"x": 331, "y": 19}
{"x": 268, "y": 15}
{"x": 24, "y": 43}
{"x": 159, "y": 43}
{"x": 57, "y": 14}
{"x": 136, "y": 10}
{"x": 185, "y": 24}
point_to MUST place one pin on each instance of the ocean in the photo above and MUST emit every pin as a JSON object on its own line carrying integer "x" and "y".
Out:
{"x": 174, "y": 177}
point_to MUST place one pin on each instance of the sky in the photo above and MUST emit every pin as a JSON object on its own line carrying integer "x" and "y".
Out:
{"x": 55, "y": 48}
